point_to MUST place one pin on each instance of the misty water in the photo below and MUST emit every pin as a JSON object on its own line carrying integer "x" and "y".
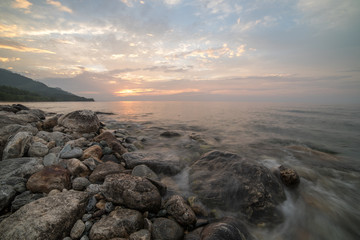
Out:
{"x": 321, "y": 142}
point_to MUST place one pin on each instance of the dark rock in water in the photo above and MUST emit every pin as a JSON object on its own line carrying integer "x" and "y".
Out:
{"x": 104, "y": 169}
{"x": 23, "y": 199}
{"x": 144, "y": 171}
{"x": 289, "y": 176}
{"x": 159, "y": 162}
{"x": 19, "y": 167}
{"x": 119, "y": 223}
{"x": 82, "y": 121}
{"x": 80, "y": 183}
{"x": 111, "y": 141}
{"x": 170, "y": 134}
{"x": 227, "y": 181}
{"x": 180, "y": 211}
{"x": 17, "y": 145}
{"x": 226, "y": 229}
{"x": 49, "y": 178}
{"x": 48, "y": 218}
{"x": 132, "y": 192}
{"x": 7, "y": 194}
{"x": 166, "y": 229}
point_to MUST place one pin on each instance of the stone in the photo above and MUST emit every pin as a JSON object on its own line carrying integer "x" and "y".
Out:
{"x": 111, "y": 141}
{"x": 170, "y": 134}
{"x": 166, "y": 229}
{"x": 51, "y": 177}
{"x": 225, "y": 180}
{"x": 110, "y": 158}
{"x": 88, "y": 225}
{"x": 101, "y": 204}
{"x": 109, "y": 206}
{"x": 50, "y": 159}
{"x": 17, "y": 183}
{"x": 68, "y": 152}
{"x": 7, "y": 194}
{"x": 23, "y": 199}
{"x": 289, "y": 176}
{"x": 77, "y": 168}
{"x": 48, "y": 218}
{"x": 7, "y": 118}
{"x": 80, "y": 183}
{"x": 77, "y": 229}
{"x": 94, "y": 151}
{"x": 38, "y": 149}
{"x": 50, "y": 123}
{"x": 132, "y": 192}
{"x": 19, "y": 167}
{"x": 144, "y": 171}
{"x": 226, "y": 229}
{"x": 142, "y": 234}
{"x": 119, "y": 223}
{"x": 86, "y": 217}
{"x": 104, "y": 169}
{"x": 90, "y": 163}
{"x": 93, "y": 189}
{"x": 91, "y": 204}
{"x": 194, "y": 235}
{"x": 59, "y": 137}
{"x": 82, "y": 121}
{"x": 180, "y": 211}
{"x": 159, "y": 162}
{"x": 17, "y": 145}
{"x": 159, "y": 185}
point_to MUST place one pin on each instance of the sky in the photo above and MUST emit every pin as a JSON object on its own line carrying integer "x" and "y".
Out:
{"x": 216, "y": 50}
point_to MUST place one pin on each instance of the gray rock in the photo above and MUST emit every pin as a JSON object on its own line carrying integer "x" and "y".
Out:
{"x": 7, "y": 194}
{"x": 144, "y": 171}
{"x": 19, "y": 167}
{"x": 23, "y": 199}
{"x": 38, "y": 149}
{"x": 86, "y": 217}
{"x": 132, "y": 192}
{"x": 227, "y": 181}
{"x": 143, "y": 234}
{"x": 77, "y": 168}
{"x": 68, "y": 152}
{"x": 17, "y": 145}
{"x": 104, "y": 169}
{"x": 18, "y": 183}
{"x": 170, "y": 134}
{"x": 159, "y": 162}
{"x": 59, "y": 137}
{"x": 77, "y": 230}
{"x": 80, "y": 183}
{"x": 84, "y": 237}
{"x": 180, "y": 211}
{"x": 50, "y": 159}
{"x": 91, "y": 204}
{"x": 90, "y": 163}
{"x": 47, "y": 218}
{"x": 119, "y": 223}
{"x": 7, "y": 118}
{"x": 93, "y": 189}
{"x": 109, "y": 206}
{"x": 88, "y": 226}
{"x": 166, "y": 229}
{"x": 82, "y": 121}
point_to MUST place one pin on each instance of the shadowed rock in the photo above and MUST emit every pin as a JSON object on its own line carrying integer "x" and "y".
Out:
{"x": 82, "y": 121}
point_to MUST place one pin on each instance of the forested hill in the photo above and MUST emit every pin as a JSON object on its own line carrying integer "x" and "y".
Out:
{"x": 29, "y": 87}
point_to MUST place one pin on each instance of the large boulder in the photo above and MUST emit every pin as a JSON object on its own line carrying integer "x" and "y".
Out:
{"x": 226, "y": 181}
{"x": 104, "y": 169}
{"x": 7, "y": 194}
{"x": 166, "y": 229}
{"x": 132, "y": 192}
{"x": 21, "y": 117}
{"x": 119, "y": 223}
{"x": 180, "y": 211}
{"x": 20, "y": 167}
{"x": 82, "y": 121}
{"x": 49, "y": 178}
{"x": 23, "y": 199}
{"x": 17, "y": 145}
{"x": 159, "y": 162}
{"x": 47, "y": 218}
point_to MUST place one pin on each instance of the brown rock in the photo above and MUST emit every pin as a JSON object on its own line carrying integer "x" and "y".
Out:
{"x": 289, "y": 176}
{"x": 101, "y": 204}
{"x": 104, "y": 169}
{"x": 92, "y": 152}
{"x": 51, "y": 177}
{"x": 77, "y": 168}
{"x": 180, "y": 211}
{"x": 50, "y": 123}
{"x": 112, "y": 142}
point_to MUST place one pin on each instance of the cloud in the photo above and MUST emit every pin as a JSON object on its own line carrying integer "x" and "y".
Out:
{"x": 59, "y": 6}
{"x": 2, "y": 59}
{"x": 20, "y": 48}
{"x": 22, "y": 4}
{"x": 8, "y": 31}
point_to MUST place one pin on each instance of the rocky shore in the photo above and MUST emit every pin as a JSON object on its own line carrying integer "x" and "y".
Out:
{"x": 70, "y": 177}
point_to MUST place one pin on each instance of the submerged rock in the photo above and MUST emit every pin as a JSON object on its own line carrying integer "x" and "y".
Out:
{"x": 180, "y": 211}
{"x": 166, "y": 229}
{"x": 289, "y": 176}
{"x": 82, "y": 121}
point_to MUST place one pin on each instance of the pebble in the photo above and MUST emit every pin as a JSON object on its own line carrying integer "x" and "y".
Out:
{"x": 86, "y": 217}
{"x": 91, "y": 204}
{"x": 109, "y": 206}
{"x": 90, "y": 163}
{"x": 80, "y": 183}
{"x": 84, "y": 237}
{"x": 88, "y": 226}
{"x": 77, "y": 229}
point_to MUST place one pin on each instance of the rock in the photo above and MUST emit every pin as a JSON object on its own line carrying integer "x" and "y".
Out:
{"x": 82, "y": 121}
{"x": 93, "y": 152}
{"x": 226, "y": 229}
{"x": 7, "y": 194}
{"x": 91, "y": 204}
{"x": 119, "y": 223}
{"x": 50, "y": 123}
{"x": 111, "y": 141}
{"x": 170, "y": 134}
{"x": 109, "y": 206}
{"x": 17, "y": 145}
{"x": 77, "y": 168}
{"x": 68, "y": 152}
{"x": 51, "y": 177}
{"x": 23, "y": 199}
{"x": 7, "y": 118}
{"x": 50, "y": 159}
{"x": 17, "y": 183}
{"x": 80, "y": 183}
{"x": 59, "y": 137}
{"x": 101, "y": 204}
{"x": 159, "y": 162}
{"x": 144, "y": 171}
{"x": 166, "y": 229}
{"x": 93, "y": 189}
{"x": 143, "y": 234}
{"x": 19, "y": 167}
{"x": 159, "y": 185}
{"x": 132, "y": 192}
{"x": 289, "y": 176}
{"x": 180, "y": 211}
{"x": 86, "y": 217}
{"x": 194, "y": 235}
{"x": 110, "y": 158}
{"x": 90, "y": 163}
{"x": 77, "y": 229}
{"x": 38, "y": 149}
{"x": 47, "y": 218}
{"x": 104, "y": 169}
{"x": 227, "y": 181}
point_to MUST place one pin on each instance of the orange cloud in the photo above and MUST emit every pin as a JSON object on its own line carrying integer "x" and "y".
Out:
{"x": 8, "y": 59}
{"x": 8, "y": 31}
{"x": 59, "y": 6}
{"x": 23, "y": 4}
{"x": 25, "y": 49}
{"x": 150, "y": 91}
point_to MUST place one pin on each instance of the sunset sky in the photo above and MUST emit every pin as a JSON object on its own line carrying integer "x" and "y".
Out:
{"x": 249, "y": 50}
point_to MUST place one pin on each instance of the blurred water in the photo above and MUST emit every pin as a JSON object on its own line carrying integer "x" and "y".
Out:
{"x": 321, "y": 142}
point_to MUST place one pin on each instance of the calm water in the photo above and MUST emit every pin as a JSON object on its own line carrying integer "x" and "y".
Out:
{"x": 321, "y": 142}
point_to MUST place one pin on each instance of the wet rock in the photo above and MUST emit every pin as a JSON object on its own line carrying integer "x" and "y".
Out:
{"x": 145, "y": 172}
{"x": 19, "y": 167}
{"x": 50, "y": 159}
{"x": 80, "y": 183}
{"x": 17, "y": 145}
{"x": 170, "y": 134}
{"x": 289, "y": 176}
{"x": 119, "y": 223}
{"x": 159, "y": 185}
{"x": 38, "y": 149}
{"x": 77, "y": 168}
{"x": 227, "y": 181}
{"x": 166, "y": 229}
{"x": 7, "y": 194}
{"x": 82, "y": 121}
{"x": 180, "y": 211}
{"x": 47, "y": 218}
{"x": 111, "y": 141}
{"x": 132, "y": 192}
{"x": 226, "y": 229}
{"x": 104, "y": 169}
{"x": 93, "y": 152}
{"x": 77, "y": 229}
{"x": 143, "y": 234}
{"x": 23, "y": 199}
{"x": 159, "y": 162}
{"x": 68, "y": 152}
{"x": 51, "y": 177}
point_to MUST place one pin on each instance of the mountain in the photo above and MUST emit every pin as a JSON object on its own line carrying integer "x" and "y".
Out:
{"x": 40, "y": 91}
